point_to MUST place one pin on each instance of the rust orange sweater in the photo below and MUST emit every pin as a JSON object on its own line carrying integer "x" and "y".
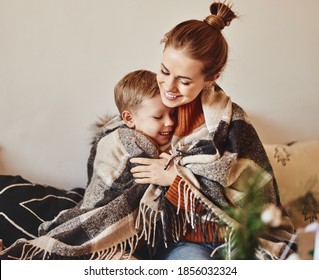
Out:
{"x": 191, "y": 116}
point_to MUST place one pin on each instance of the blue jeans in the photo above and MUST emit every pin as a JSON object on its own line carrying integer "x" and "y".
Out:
{"x": 187, "y": 251}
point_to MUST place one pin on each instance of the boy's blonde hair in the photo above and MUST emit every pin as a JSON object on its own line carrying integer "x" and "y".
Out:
{"x": 133, "y": 88}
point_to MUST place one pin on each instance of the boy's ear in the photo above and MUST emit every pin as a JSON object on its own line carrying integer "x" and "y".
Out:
{"x": 128, "y": 119}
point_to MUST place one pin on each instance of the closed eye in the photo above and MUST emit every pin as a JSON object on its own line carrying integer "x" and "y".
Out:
{"x": 157, "y": 117}
{"x": 164, "y": 72}
{"x": 185, "y": 83}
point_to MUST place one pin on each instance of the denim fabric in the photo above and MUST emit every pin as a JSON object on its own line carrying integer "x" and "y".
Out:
{"x": 187, "y": 251}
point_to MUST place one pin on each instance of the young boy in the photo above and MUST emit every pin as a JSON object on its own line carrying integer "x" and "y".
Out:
{"x": 103, "y": 225}
{"x": 138, "y": 100}
{"x": 145, "y": 129}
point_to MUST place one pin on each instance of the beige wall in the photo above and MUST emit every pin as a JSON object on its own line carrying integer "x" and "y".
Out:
{"x": 60, "y": 59}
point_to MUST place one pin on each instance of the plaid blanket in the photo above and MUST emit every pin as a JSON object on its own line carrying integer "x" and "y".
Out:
{"x": 214, "y": 163}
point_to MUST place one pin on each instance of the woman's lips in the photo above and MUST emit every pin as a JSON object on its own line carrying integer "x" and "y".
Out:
{"x": 170, "y": 96}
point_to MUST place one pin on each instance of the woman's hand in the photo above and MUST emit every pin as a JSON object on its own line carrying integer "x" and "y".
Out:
{"x": 151, "y": 171}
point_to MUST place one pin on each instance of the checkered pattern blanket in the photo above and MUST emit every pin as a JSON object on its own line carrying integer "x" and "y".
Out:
{"x": 214, "y": 163}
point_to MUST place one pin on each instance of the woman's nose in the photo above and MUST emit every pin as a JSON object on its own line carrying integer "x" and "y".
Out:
{"x": 170, "y": 84}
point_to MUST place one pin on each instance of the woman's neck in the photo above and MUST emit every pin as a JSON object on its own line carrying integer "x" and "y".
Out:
{"x": 189, "y": 117}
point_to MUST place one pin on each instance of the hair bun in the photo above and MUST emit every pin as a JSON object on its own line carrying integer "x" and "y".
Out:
{"x": 215, "y": 21}
{"x": 221, "y": 15}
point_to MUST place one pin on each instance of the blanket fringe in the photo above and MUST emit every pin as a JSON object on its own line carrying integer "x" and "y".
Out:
{"x": 29, "y": 251}
{"x": 123, "y": 250}
{"x": 227, "y": 245}
{"x": 147, "y": 220}
{"x": 192, "y": 199}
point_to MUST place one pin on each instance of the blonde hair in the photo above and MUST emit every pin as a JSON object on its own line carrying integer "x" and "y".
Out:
{"x": 133, "y": 88}
{"x": 203, "y": 40}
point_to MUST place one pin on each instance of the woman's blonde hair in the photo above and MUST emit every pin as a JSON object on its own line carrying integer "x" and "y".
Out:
{"x": 133, "y": 88}
{"x": 203, "y": 40}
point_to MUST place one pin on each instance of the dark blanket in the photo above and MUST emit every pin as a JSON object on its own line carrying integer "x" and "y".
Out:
{"x": 25, "y": 205}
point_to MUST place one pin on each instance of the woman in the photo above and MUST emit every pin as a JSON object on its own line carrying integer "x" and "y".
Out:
{"x": 185, "y": 198}
{"x": 215, "y": 149}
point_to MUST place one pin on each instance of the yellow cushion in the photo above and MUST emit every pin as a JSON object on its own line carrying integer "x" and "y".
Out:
{"x": 296, "y": 168}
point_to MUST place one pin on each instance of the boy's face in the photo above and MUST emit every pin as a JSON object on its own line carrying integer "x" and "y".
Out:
{"x": 155, "y": 120}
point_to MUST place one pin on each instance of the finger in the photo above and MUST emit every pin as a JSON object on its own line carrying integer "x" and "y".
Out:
{"x": 141, "y": 175}
{"x": 143, "y": 181}
{"x": 140, "y": 168}
{"x": 144, "y": 161}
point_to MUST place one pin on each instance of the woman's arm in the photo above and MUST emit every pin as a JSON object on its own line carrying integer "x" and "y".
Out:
{"x": 152, "y": 171}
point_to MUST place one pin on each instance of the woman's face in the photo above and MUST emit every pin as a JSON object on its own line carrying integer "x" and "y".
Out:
{"x": 180, "y": 78}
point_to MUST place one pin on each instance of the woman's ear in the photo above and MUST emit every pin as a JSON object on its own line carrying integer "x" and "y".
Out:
{"x": 216, "y": 77}
{"x": 210, "y": 83}
{"x": 128, "y": 119}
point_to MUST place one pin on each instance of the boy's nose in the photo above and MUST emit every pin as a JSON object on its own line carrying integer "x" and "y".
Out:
{"x": 169, "y": 122}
